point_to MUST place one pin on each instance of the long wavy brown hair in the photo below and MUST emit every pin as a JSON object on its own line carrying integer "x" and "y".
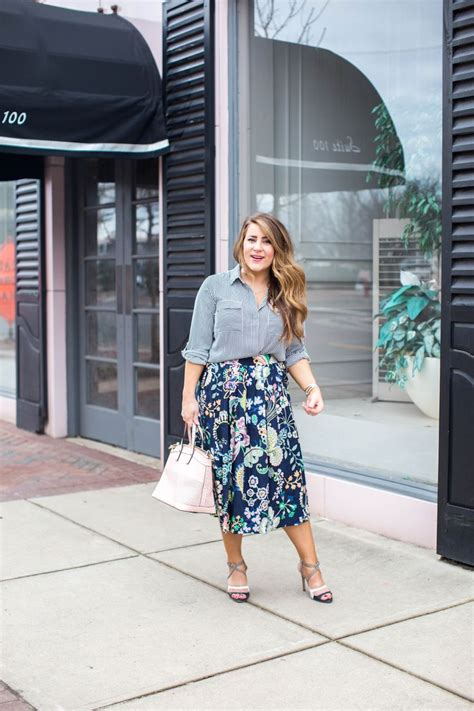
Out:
{"x": 287, "y": 289}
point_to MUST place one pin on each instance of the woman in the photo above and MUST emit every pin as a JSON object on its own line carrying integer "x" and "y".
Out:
{"x": 247, "y": 330}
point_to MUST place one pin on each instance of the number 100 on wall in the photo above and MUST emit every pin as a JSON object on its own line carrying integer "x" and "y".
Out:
{"x": 14, "y": 117}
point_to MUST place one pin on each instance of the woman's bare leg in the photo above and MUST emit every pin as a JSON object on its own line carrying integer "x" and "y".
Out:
{"x": 302, "y": 538}
{"x": 233, "y": 547}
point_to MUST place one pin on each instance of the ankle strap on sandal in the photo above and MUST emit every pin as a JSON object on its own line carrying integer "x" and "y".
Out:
{"x": 235, "y": 566}
{"x": 311, "y": 565}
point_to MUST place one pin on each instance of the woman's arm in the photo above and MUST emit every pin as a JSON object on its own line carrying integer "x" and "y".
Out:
{"x": 303, "y": 375}
{"x": 190, "y": 407}
{"x": 192, "y": 373}
{"x": 202, "y": 326}
{"x": 196, "y": 351}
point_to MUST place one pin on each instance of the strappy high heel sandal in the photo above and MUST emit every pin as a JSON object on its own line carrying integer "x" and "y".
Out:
{"x": 323, "y": 592}
{"x": 241, "y": 592}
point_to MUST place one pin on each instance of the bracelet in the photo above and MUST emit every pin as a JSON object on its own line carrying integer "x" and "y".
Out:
{"x": 310, "y": 387}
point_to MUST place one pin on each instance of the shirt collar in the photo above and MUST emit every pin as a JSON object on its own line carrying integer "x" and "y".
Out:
{"x": 235, "y": 273}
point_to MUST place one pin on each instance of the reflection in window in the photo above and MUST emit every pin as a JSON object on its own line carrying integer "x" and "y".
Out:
{"x": 101, "y": 331}
{"x": 147, "y": 338}
{"x": 147, "y": 389}
{"x": 100, "y": 181}
{"x": 146, "y": 283}
{"x": 145, "y": 178}
{"x": 100, "y": 232}
{"x": 100, "y": 282}
{"x": 146, "y": 228}
{"x": 345, "y": 148}
{"x": 102, "y": 384}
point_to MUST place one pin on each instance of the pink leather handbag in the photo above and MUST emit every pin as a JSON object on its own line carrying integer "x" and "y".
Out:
{"x": 186, "y": 482}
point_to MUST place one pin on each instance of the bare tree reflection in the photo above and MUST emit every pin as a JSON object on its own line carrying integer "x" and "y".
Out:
{"x": 269, "y": 21}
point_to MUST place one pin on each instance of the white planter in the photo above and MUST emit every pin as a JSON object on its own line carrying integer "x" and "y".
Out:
{"x": 423, "y": 387}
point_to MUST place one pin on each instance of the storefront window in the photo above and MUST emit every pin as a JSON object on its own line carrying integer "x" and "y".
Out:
{"x": 340, "y": 137}
{"x": 7, "y": 290}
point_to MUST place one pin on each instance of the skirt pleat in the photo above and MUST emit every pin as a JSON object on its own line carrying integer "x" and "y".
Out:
{"x": 248, "y": 425}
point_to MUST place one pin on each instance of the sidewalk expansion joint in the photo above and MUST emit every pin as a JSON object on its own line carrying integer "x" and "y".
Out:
{"x": 363, "y": 652}
{"x": 203, "y": 677}
{"x": 81, "y": 525}
{"x": 186, "y": 545}
{"x": 259, "y": 606}
{"x": 114, "y": 540}
{"x": 415, "y": 616}
{"x": 72, "y": 567}
{"x": 315, "y": 630}
{"x": 270, "y": 658}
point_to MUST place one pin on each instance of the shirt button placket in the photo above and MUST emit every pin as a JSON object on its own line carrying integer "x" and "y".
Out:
{"x": 260, "y": 313}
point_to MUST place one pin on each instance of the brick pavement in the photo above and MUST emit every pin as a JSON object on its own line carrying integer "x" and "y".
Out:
{"x": 10, "y": 701}
{"x": 37, "y": 465}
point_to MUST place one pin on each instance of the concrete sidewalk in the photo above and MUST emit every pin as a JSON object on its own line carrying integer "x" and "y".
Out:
{"x": 113, "y": 600}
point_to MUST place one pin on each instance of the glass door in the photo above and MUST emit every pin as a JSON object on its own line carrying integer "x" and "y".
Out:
{"x": 119, "y": 303}
{"x": 142, "y": 307}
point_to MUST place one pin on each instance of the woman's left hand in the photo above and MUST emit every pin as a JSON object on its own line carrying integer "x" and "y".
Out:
{"x": 314, "y": 402}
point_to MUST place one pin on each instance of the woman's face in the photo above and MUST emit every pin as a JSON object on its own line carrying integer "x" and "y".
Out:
{"x": 258, "y": 250}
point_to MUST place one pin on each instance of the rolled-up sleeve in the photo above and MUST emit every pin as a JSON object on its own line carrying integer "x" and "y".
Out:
{"x": 202, "y": 326}
{"x": 296, "y": 350}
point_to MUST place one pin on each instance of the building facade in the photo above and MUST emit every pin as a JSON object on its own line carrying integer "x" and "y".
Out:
{"x": 351, "y": 123}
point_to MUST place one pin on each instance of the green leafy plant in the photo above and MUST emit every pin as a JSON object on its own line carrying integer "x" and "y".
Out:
{"x": 416, "y": 200}
{"x": 412, "y": 328}
{"x": 412, "y": 312}
{"x": 420, "y": 202}
{"x": 388, "y": 150}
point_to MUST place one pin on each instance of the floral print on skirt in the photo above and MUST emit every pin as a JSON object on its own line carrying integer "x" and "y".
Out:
{"x": 248, "y": 426}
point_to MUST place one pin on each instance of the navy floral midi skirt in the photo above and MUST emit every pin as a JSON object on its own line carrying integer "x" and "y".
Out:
{"x": 248, "y": 426}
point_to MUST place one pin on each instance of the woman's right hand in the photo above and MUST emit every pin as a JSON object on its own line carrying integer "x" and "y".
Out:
{"x": 190, "y": 414}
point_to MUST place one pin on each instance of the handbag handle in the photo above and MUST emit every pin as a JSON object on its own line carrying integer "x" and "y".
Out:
{"x": 192, "y": 440}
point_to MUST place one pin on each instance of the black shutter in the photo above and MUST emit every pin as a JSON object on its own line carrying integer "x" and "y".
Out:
{"x": 188, "y": 171}
{"x": 30, "y": 303}
{"x": 456, "y": 449}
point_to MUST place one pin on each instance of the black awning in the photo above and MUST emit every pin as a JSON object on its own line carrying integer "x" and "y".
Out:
{"x": 78, "y": 83}
{"x": 318, "y": 123}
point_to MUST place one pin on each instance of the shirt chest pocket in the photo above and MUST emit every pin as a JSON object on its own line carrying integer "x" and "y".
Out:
{"x": 229, "y": 316}
{"x": 275, "y": 324}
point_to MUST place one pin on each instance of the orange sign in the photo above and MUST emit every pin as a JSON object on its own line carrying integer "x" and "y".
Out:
{"x": 7, "y": 281}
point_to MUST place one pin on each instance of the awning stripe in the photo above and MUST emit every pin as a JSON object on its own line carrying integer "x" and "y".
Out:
{"x": 70, "y": 146}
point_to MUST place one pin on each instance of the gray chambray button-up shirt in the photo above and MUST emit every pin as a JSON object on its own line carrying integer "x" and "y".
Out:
{"x": 227, "y": 324}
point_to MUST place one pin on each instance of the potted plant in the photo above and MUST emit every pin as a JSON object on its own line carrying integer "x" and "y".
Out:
{"x": 410, "y": 340}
